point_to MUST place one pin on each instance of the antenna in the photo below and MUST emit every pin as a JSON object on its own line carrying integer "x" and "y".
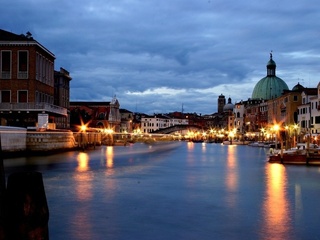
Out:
{"x": 182, "y": 108}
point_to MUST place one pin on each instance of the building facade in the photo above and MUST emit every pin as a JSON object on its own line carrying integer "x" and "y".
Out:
{"x": 27, "y": 83}
{"x": 156, "y": 122}
{"x": 127, "y": 118}
{"x": 62, "y": 96}
{"x": 104, "y": 115}
{"x": 308, "y": 110}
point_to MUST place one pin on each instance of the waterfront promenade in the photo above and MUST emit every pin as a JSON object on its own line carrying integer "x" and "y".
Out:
{"x": 178, "y": 190}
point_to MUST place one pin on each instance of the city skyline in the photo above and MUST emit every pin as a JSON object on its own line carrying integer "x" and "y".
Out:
{"x": 157, "y": 57}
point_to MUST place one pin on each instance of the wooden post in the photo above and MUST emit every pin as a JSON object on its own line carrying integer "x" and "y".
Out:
{"x": 2, "y": 195}
{"x": 27, "y": 210}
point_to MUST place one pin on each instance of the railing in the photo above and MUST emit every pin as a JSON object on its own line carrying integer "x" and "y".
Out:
{"x": 33, "y": 107}
{"x": 5, "y": 75}
{"x": 23, "y": 75}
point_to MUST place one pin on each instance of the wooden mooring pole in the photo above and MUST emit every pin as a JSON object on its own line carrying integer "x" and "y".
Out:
{"x": 24, "y": 212}
{"x": 27, "y": 209}
{"x": 2, "y": 195}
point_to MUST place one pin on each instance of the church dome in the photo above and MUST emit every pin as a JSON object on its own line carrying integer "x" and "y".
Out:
{"x": 229, "y": 106}
{"x": 270, "y": 86}
{"x": 298, "y": 87}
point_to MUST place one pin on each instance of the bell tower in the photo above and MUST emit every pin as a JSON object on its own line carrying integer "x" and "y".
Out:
{"x": 221, "y": 103}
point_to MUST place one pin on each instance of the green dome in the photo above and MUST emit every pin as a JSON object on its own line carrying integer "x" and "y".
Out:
{"x": 270, "y": 86}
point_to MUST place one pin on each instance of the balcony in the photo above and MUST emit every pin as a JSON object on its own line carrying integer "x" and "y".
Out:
{"x": 5, "y": 75}
{"x": 23, "y": 75}
{"x": 33, "y": 107}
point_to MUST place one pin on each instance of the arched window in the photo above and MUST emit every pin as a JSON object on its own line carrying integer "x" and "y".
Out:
{"x": 101, "y": 116}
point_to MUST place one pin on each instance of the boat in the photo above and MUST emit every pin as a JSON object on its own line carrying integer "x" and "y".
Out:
{"x": 269, "y": 145}
{"x": 234, "y": 142}
{"x": 256, "y": 144}
{"x": 301, "y": 148}
{"x": 303, "y": 153}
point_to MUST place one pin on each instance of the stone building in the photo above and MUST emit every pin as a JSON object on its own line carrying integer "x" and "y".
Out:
{"x": 62, "y": 96}
{"x": 127, "y": 118}
{"x": 105, "y": 115}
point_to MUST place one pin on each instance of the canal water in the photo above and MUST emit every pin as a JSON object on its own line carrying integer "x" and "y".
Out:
{"x": 177, "y": 190}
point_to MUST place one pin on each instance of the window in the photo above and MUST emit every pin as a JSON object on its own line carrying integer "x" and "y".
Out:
{"x": 22, "y": 64}
{"x": 295, "y": 98}
{"x": 101, "y": 116}
{"x": 5, "y": 96}
{"x": 5, "y": 64}
{"x": 22, "y": 96}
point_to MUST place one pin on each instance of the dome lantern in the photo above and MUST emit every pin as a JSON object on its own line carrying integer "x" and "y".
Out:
{"x": 271, "y": 67}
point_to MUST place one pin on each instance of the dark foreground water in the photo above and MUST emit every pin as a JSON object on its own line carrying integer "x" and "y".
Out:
{"x": 176, "y": 191}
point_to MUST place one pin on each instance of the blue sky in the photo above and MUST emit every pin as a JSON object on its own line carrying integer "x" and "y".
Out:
{"x": 156, "y": 56}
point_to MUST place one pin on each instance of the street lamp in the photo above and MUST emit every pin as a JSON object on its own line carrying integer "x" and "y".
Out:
{"x": 276, "y": 129}
{"x": 295, "y": 128}
{"x": 83, "y": 128}
{"x": 231, "y": 136}
{"x": 109, "y": 133}
{"x": 262, "y": 130}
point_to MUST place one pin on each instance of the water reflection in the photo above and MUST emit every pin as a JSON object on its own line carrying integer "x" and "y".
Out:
{"x": 298, "y": 202}
{"x": 203, "y": 147}
{"x": 231, "y": 176}
{"x": 83, "y": 222}
{"x": 83, "y": 160}
{"x": 276, "y": 205}
{"x": 83, "y": 194}
{"x": 190, "y": 146}
{"x": 109, "y": 156}
{"x": 83, "y": 178}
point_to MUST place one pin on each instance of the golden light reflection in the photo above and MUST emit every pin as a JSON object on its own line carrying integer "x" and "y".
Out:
{"x": 231, "y": 175}
{"x": 109, "y": 155}
{"x": 190, "y": 146}
{"x": 276, "y": 205}
{"x": 83, "y": 160}
{"x": 83, "y": 178}
{"x": 203, "y": 147}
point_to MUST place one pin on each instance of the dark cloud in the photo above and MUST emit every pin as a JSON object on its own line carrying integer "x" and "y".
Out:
{"x": 157, "y": 55}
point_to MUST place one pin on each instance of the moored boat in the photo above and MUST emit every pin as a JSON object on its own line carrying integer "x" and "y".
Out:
{"x": 303, "y": 153}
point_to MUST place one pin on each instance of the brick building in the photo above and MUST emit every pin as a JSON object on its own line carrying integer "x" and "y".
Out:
{"x": 104, "y": 115}
{"x": 27, "y": 84}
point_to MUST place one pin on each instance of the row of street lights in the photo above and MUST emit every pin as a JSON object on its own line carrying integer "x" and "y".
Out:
{"x": 272, "y": 133}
